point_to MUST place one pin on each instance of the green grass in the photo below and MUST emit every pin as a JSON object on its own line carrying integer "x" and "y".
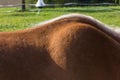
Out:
{"x": 12, "y": 19}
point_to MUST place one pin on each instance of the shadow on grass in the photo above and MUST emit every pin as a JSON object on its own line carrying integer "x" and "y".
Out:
{"x": 95, "y": 10}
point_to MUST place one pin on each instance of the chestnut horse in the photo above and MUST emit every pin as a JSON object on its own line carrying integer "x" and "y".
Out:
{"x": 71, "y": 47}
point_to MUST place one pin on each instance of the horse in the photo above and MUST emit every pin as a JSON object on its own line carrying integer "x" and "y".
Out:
{"x": 69, "y": 47}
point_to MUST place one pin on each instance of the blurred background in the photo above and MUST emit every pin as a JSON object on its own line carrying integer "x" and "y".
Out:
{"x": 22, "y": 14}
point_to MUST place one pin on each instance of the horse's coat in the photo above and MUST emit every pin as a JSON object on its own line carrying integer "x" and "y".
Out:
{"x": 71, "y": 47}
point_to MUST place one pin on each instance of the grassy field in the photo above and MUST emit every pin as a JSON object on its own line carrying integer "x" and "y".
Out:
{"x": 11, "y": 19}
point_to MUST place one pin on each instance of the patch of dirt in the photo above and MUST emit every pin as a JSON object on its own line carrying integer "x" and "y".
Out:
{"x": 10, "y": 2}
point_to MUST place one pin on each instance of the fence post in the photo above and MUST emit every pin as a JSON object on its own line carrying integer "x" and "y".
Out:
{"x": 23, "y": 5}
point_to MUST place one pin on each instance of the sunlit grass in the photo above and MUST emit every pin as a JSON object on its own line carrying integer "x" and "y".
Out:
{"x": 12, "y": 19}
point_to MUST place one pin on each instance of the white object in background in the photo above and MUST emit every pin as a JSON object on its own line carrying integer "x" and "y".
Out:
{"x": 40, "y": 3}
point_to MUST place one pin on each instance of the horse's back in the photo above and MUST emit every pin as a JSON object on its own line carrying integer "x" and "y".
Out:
{"x": 65, "y": 49}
